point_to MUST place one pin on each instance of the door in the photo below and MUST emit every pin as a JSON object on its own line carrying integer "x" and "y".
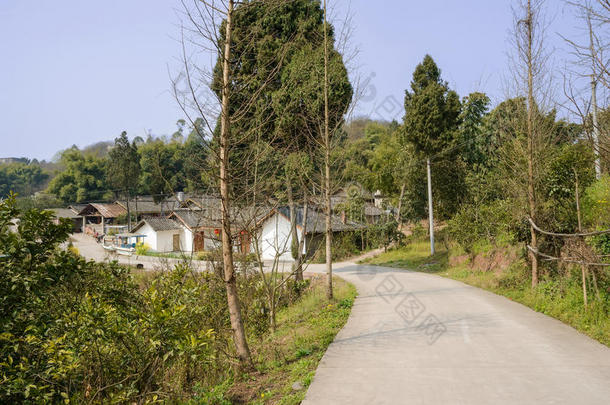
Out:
{"x": 176, "y": 243}
{"x": 199, "y": 242}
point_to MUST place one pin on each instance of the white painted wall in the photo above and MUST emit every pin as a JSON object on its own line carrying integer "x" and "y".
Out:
{"x": 186, "y": 240}
{"x": 165, "y": 240}
{"x": 151, "y": 236}
{"x": 275, "y": 238}
{"x": 161, "y": 241}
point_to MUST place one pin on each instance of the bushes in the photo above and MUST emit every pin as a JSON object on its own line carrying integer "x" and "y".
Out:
{"x": 490, "y": 222}
{"x": 81, "y": 331}
{"x": 596, "y": 204}
{"x": 344, "y": 245}
{"x": 142, "y": 249}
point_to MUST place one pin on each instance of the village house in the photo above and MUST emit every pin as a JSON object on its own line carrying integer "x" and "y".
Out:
{"x": 161, "y": 234}
{"x": 276, "y": 236}
{"x": 373, "y": 203}
{"x": 96, "y": 216}
{"x": 68, "y": 213}
{"x": 187, "y": 230}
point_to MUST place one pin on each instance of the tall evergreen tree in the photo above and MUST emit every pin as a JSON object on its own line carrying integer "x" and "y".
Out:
{"x": 123, "y": 170}
{"x": 431, "y": 119}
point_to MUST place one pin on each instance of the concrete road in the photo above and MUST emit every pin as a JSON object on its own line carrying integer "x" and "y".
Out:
{"x": 416, "y": 338}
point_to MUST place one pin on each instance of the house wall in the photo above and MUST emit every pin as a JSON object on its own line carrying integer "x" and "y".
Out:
{"x": 151, "y": 236}
{"x": 162, "y": 241}
{"x": 186, "y": 240}
{"x": 165, "y": 240}
{"x": 275, "y": 238}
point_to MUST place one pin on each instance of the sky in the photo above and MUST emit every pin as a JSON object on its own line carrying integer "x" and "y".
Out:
{"x": 80, "y": 72}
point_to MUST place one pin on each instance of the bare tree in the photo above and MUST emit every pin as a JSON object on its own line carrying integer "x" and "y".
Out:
{"x": 240, "y": 146}
{"x": 589, "y": 63}
{"x": 210, "y": 32}
{"x": 531, "y": 80}
{"x": 328, "y": 206}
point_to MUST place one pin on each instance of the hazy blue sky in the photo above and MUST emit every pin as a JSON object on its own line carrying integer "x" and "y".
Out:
{"x": 78, "y": 72}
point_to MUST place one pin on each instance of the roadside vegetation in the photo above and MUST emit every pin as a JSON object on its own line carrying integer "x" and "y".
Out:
{"x": 78, "y": 331}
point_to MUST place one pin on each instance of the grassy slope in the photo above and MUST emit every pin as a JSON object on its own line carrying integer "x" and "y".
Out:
{"x": 559, "y": 299}
{"x": 293, "y": 352}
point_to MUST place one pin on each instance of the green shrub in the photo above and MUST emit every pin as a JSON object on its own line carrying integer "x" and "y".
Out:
{"x": 596, "y": 204}
{"x": 491, "y": 223}
{"x": 81, "y": 331}
{"x": 142, "y": 249}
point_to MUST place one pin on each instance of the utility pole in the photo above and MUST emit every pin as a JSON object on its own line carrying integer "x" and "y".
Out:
{"x": 531, "y": 196}
{"x": 430, "y": 209}
{"x": 598, "y": 163}
{"x": 128, "y": 213}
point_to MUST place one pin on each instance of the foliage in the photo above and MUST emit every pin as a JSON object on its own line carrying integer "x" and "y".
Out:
{"x": 123, "y": 169}
{"x": 596, "y": 204}
{"x": 39, "y": 201}
{"x": 431, "y": 122}
{"x": 293, "y": 351}
{"x": 572, "y": 164}
{"x": 83, "y": 178}
{"x": 431, "y": 110}
{"x": 142, "y": 249}
{"x": 162, "y": 168}
{"x": 489, "y": 222}
{"x": 21, "y": 178}
{"x": 80, "y": 331}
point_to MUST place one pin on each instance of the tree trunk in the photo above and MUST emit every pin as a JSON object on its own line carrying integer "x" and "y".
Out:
{"x": 530, "y": 144}
{"x": 239, "y": 335}
{"x": 402, "y": 195}
{"x": 329, "y": 232}
{"x": 430, "y": 209}
{"x": 583, "y": 267}
{"x": 128, "y": 214}
{"x": 300, "y": 254}
{"x": 293, "y": 231}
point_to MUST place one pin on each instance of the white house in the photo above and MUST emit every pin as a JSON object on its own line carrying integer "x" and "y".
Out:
{"x": 162, "y": 234}
{"x": 188, "y": 230}
{"x": 275, "y": 237}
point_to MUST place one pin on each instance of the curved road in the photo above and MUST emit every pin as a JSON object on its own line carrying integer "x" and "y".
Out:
{"x": 415, "y": 338}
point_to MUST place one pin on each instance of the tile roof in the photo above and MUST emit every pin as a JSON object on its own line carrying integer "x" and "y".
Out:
{"x": 372, "y": 211}
{"x": 105, "y": 210}
{"x": 198, "y": 219}
{"x": 64, "y": 213}
{"x": 150, "y": 207}
{"x": 77, "y": 207}
{"x": 158, "y": 224}
{"x": 316, "y": 220}
{"x": 211, "y": 217}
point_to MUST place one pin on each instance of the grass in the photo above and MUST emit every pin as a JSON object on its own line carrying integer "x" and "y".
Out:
{"x": 291, "y": 353}
{"x": 558, "y": 296}
{"x": 170, "y": 255}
